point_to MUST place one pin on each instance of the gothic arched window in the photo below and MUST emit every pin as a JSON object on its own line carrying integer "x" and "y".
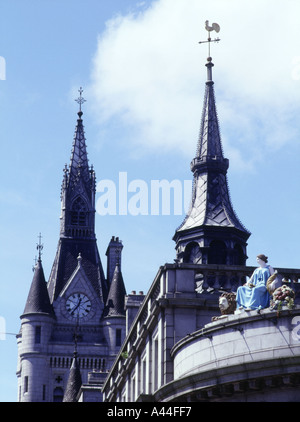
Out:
{"x": 79, "y": 212}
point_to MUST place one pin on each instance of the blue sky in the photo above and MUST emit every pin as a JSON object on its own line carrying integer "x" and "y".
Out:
{"x": 143, "y": 74}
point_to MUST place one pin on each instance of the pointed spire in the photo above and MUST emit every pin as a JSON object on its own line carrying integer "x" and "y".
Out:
{"x": 38, "y": 298}
{"x": 79, "y": 166}
{"x": 209, "y": 143}
{"x": 211, "y": 211}
{"x": 74, "y": 381}
{"x": 211, "y": 203}
{"x": 77, "y": 221}
{"x": 115, "y": 304}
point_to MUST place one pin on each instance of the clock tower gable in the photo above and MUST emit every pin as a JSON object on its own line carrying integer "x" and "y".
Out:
{"x": 78, "y": 300}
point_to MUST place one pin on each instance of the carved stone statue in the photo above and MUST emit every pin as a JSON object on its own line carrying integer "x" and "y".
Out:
{"x": 273, "y": 282}
{"x": 254, "y": 294}
{"x": 227, "y": 305}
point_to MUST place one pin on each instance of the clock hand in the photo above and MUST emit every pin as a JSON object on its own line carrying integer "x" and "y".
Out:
{"x": 78, "y": 304}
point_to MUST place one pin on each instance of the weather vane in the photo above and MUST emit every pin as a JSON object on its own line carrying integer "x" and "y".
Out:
{"x": 80, "y": 100}
{"x": 213, "y": 27}
{"x": 40, "y": 246}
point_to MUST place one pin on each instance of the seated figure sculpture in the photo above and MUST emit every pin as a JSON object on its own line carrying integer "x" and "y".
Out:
{"x": 254, "y": 294}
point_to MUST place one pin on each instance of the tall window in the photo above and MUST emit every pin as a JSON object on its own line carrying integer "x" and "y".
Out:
{"x": 38, "y": 331}
{"x": 238, "y": 255}
{"x": 133, "y": 389}
{"x": 155, "y": 356}
{"x": 144, "y": 374}
{"x": 79, "y": 212}
{"x": 26, "y": 384}
{"x": 118, "y": 337}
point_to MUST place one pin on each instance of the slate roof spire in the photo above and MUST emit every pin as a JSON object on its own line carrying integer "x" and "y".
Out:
{"x": 209, "y": 143}
{"x": 115, "y": 304}
{"x": 79, "y": 166}
{"x": 211, "y": 214}
{"x": 38, "y": 300}
{"x": 74, "y": 381}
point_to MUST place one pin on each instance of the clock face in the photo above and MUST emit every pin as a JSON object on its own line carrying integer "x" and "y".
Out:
{"x": 78, "y": 305}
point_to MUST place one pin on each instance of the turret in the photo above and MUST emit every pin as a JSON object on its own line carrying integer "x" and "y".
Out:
{"x": 36, "y": 327}
{"x": 114, "y": 314}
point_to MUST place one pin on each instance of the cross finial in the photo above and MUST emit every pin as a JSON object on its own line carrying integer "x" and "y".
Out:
{"x": 40, "y": 246}
{"x": 80, "y": 100}
{"x": 213, "y": 27}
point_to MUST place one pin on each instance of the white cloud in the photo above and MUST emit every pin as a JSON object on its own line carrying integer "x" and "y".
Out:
{"x": 148, "y": 74}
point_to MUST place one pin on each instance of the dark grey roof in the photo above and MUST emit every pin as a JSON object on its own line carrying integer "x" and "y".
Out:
{"x": 66, "y": 262}
{"x": 210, "y": 204}
{"x": 115, "y": 305}
{"x": 74, "y": 382}
{"x": 38, "y": 299}
{"x": 79, "y": 166}
{"x": 209, "y": 143}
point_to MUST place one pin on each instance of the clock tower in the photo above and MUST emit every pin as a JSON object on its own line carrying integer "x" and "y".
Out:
{"x": 73, "y": 303}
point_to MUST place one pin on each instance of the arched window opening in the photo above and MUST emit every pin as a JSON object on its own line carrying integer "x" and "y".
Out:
{"x": 192, "y": 253}
{"x": 217, "y": 253}
{"x": 238, "y": 255}
{"x": 58, "y": 395}
{"x": 79, "y": 213}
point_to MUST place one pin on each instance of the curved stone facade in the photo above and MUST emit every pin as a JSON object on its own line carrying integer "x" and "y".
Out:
{"x": 247, "y": 357}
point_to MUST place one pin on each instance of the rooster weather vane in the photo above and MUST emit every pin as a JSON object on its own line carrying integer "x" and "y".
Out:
{"x": 209, "y": 29}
